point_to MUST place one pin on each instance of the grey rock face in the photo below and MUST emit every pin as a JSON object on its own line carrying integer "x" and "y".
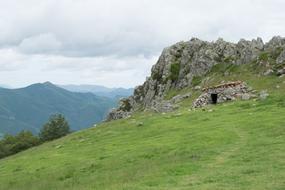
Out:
{"x": 276, "y": 41}
{"x": 168, "y": 105}
{"x": 180, "y": 63}
{"x": 268, "y": 72}
{"x": 245, "y": 96}
{"x": 281, "y": 58}
{"x": 179, "y": 98}
{"x": 281, "y": 71}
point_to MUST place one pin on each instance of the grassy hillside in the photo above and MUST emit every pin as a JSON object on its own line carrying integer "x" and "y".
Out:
{"x": 29, "y": 108}
{"x": 231, "y": 146}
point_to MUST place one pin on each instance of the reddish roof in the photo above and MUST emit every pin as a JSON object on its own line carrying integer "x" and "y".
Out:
{"x": 224, "y": 85}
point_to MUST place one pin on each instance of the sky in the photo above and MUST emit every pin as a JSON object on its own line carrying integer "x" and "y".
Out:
{"x": 116, "y": 42}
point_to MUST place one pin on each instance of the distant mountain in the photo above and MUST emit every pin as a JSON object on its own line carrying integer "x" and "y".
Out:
{"x": 30, "y": 107}
{"x": 100, "y": 90}
{"x": 4, "y": 86}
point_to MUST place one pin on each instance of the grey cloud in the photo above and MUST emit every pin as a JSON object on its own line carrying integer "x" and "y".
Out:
{"x": 18, "y": 69}
{"x": 115, "y": 42}
{"x": 42, "y": 43}
{"x": 131, "y": 27}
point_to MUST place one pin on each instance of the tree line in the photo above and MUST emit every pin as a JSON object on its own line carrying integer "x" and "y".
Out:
{"x": 56, "y": 127}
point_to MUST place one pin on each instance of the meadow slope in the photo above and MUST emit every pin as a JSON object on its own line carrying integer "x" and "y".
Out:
{"x": 231, "y": 146}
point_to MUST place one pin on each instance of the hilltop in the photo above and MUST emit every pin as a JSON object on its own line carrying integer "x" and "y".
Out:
{"x": 157, "y": 139}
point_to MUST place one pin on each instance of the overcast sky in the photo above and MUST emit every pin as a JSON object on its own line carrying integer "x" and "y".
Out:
{"x": 115, "y": 42}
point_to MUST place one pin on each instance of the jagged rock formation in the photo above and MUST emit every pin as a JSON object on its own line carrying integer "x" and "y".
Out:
{"x": 179, "y": 64}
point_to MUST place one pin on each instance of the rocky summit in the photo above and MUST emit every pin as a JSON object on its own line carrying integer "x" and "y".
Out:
{"x": 181, "y": 64}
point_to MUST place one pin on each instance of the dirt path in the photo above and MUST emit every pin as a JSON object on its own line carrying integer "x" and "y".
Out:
{"x": 216, "y": 166}
{"x": 225, "y": 155}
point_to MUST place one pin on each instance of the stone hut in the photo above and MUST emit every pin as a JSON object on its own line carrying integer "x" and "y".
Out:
{"x": 222, "y": 93}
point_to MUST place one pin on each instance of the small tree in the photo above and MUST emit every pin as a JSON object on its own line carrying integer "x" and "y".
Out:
{"x": 55, "y": 128}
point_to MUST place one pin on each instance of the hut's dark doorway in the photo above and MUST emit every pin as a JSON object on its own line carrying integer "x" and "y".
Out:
{"x": 214, "y": 98}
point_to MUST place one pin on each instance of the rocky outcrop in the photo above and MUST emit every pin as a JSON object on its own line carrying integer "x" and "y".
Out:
{"x": 169, "y": 105}
{"x": 115, "y": 114}
{"x": 180, "y": 64}
{"x": 124, "y": 110}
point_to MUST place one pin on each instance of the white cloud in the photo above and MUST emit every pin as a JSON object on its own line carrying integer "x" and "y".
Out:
{"x": 20, "y": 69}
{"x": 108, "y": 42}
{"x": 43, "y": 43}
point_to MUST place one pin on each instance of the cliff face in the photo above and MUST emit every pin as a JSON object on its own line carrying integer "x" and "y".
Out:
{"x": 180, "y": 63}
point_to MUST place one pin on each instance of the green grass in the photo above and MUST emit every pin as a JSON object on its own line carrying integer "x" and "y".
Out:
{"x": 233, "y": 146}
{"x": 197, "y": 80}
{"x": 174, "y": 71}
{"x": 264, "y": 56}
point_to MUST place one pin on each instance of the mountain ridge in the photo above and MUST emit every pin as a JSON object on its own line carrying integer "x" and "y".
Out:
{"x": 99, "y": 90}
{"x": 29, "y": 107}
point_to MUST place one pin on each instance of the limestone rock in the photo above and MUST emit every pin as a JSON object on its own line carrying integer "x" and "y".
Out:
{"x": 197, "y": 88}
{"x": 268, "y": 72}
{"x": 117, "y": 114}
{"x": 263, "y": 95}
{"x": 281, "y": 58}
{"x": 276, "y": 41}
{"x": 179, "y": 98}
{"x": 245, "y": 96}
{"x": 281, "y": 71}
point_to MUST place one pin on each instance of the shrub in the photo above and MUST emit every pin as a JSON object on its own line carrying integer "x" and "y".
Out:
{"x": 196, "y": 80}
{"x": 24, "y": 140}
{"x": 264, "y": 56}
{"x": 276, "y": 52}
{"x": 174, "y": 71}
{"x": 156, "y": 76}
{"x": 55, "y": 128}
{"x": 126, "y": 105}
{"x": 13, "y": 144}
{"x": 223, "y": 67}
